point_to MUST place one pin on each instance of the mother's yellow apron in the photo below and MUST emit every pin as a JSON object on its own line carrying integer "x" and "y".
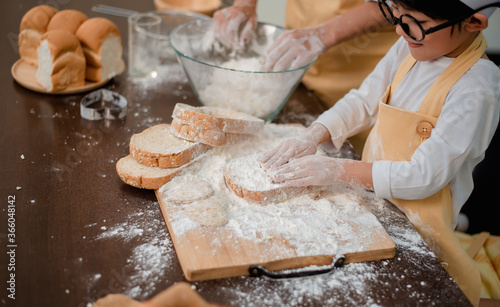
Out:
{"x": 396, "y": 135}
{"x": 345, "y": 66}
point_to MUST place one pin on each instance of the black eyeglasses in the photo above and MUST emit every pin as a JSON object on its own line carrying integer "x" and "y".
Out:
{"x": 413, "y": 28}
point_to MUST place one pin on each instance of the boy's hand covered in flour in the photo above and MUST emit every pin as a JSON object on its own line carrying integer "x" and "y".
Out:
{"x": 296, "y": 147}
{"x": 312, "y": 170}
{"x": 316, "y": 170}
{"x": 294, "y": 162}
{"x": 288, "y": 149}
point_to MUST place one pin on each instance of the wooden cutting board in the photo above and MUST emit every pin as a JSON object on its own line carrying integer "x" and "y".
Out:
{"x": 219, "y": 252}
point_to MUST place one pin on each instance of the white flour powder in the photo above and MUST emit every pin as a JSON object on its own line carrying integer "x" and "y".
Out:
{"x": 246, "y": 90}
{"x": 151, "y": 261}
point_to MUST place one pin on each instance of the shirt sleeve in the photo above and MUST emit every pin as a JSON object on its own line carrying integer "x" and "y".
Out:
{"x": 357, "y": 110}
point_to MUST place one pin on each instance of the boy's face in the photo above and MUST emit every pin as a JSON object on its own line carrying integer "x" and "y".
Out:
{"x": 437, "y": 44}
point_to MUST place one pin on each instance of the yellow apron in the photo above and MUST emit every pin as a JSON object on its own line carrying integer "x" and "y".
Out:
{"x": 396, "y": 135}
{"x": 342, "y": 67}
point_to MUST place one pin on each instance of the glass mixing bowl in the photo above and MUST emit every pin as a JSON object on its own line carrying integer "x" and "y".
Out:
{"x": 169, "y": 21}
{"x": 224, "y": 78}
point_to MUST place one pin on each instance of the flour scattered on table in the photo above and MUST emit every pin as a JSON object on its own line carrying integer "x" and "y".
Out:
{"x": 150, "y": 260}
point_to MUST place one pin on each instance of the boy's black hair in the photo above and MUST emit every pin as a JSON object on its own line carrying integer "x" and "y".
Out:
{"x": 438, "y": 9}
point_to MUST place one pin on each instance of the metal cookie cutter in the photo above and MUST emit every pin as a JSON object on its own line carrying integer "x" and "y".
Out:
{"x": 103, "y": 104}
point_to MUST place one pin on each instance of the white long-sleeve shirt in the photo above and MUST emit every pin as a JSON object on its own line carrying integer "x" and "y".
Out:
{"x": 457, "y": 144}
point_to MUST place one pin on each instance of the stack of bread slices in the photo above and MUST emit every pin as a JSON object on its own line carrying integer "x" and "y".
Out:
{"x": 212, "y": 125}
{"x": 68, "y": 48}
{"x": 161, "y": 152}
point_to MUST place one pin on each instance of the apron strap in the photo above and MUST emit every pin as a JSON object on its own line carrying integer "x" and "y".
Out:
{"x": 435, "y": 98}
{"x": 403, "y": 69}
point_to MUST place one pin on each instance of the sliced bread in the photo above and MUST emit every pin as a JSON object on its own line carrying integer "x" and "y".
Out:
{"x": 208, "y": 137}
{"x": 249, "y": 180}
{"x": 156, "y": 146}
{"x": 210, "y": 212}
{"x": 217, "y": 119}
{"x": 145, "y": 177}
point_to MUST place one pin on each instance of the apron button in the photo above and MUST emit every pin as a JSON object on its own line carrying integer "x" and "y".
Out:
{"x": 424, "y": 129}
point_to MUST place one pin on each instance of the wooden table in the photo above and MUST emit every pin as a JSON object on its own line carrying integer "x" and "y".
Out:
{"x": 80, "y": 233}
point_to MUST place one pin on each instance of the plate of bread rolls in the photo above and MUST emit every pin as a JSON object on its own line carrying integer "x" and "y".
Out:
{"x": 65, "y": 52}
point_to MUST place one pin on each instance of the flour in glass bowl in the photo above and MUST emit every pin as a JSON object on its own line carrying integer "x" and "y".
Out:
{"x": 246, "y": 90}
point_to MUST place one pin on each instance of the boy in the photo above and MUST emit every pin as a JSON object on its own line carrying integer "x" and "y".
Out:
{"x": 438, "y": 111}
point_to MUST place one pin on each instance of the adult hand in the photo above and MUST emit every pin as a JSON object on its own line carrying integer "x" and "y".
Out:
{"x": 234, "y": 25}
{"x": 295, "y": 48}
{"x": 312, "y": 170}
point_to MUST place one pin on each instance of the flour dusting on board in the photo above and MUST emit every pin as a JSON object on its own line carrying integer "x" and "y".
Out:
{"x": 319, "y": 223}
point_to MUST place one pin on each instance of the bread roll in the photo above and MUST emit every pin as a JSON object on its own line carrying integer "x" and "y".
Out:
{"x": 33, "y": 25}
{"x": 61, "y": 63}
{"x": 68, "y": 20}
{"x": 101, "y": 42}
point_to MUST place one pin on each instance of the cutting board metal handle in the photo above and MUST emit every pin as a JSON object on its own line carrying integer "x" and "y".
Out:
{"x": 258, "y": 270}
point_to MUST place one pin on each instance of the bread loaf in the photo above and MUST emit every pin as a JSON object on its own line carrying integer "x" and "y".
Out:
{"x": 208, "y": 137}
{"x": 33, "y": 25}
{"x": 101, "y": 42}
{"x": 141, "y": 176}
{"x": 156, "y": 146}
{"x": 61, "y": 63}
{"x": 249, "y": 180}
{"x": 67, "y": 20}
{"x": 218, "y": 119}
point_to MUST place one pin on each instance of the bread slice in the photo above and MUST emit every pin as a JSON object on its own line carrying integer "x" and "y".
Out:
{"x": 218, "y": 119}
{"x": 145, "y": 177}
{"x": 61, "y": 63}
{"x": 249, "y": 180}
{"x": 67, "y": 20}
{"x": 102, "y": 45}
{"x": 33, "y": 25}
{"x": 210, "y": 212}
{"x": 156, "y": 146}
{"x": 208, "y": 137}
{"x": 182, "y": 190}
